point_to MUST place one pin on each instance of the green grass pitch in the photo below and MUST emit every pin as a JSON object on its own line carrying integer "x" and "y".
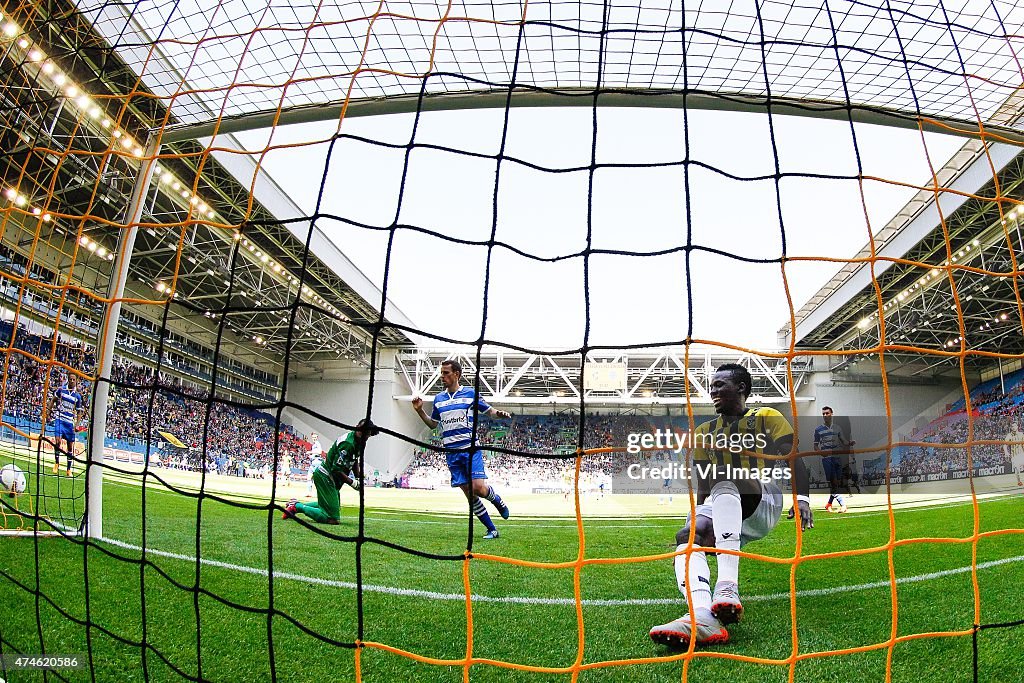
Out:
{"x": 225, "y": 620}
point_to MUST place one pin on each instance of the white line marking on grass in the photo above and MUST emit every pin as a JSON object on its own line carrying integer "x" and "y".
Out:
{"x": 568, "y": 524}
{"x": 594, "y": 523}
{"x": 524, "y": 600}
{"x": 814, "y": 592}
{"x": 389, "y": 516}
{"x": 451, "y": 518}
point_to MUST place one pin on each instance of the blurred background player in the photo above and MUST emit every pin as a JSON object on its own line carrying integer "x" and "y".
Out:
{"x": 453, "y": 410}
{"x": 285, "y": 471}
{"x": 851, "y": 477}
{"x": 1014, "y": 451}
{"x": 67, "y": 408}
{"x": 340, "y": 467}
{"x": 666, "y": 484}
{"x": 316, "y": 451}
{"x": 828, "y": 436}
{"x": 732, "y": 508}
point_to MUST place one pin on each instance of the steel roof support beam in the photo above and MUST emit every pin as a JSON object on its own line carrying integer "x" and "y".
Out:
{"x": 579, "y": 97}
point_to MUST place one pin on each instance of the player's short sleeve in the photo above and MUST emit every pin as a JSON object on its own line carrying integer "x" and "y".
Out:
{"x": 482, "y": 404}
{"x": 776, "y": 426}
{"x": 435, "y": 414}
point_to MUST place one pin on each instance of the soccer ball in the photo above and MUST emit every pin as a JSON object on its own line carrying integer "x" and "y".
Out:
{"x": 12, "y": 479}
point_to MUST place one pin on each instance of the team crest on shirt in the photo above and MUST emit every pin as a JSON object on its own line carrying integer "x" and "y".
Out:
{"x": 751, "y": 421}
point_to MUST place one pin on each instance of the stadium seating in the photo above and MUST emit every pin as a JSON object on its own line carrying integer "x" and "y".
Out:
{"x": 237, "y": 440}
{"x": 992, "y": 412}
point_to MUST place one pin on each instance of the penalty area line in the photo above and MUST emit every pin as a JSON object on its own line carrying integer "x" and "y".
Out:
{"x": 526, "y": 600}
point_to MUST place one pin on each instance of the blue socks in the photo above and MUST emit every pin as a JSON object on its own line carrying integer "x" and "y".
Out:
{"x": 481, "y": 512}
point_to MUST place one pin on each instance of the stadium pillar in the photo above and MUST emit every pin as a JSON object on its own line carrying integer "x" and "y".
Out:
{"x": 108, "y": 334}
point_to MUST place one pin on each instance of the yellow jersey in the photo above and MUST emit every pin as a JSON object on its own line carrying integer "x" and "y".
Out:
{"x": 725, "y": 441}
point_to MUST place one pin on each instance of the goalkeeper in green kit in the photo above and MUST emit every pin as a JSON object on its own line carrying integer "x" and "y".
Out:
{"x": 340, "y": 466}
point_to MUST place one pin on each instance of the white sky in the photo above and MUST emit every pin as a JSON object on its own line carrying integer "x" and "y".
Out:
{"x": 634, "y": 299}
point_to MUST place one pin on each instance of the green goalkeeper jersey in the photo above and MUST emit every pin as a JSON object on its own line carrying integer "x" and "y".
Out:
{"x": 340, "y": 457}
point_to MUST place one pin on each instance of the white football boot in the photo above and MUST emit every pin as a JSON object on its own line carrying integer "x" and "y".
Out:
{"x": 677, "y": 633}
{"x": 725, "y": 603}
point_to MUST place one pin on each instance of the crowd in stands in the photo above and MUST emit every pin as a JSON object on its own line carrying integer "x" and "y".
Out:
{"x": 548, "y": 436}
{"x": 993, "y": 416}
{"x": 238, "y": 441}
{"x": 25, "y": 377}
{"x": 429, "y": 470}
{"x": 542, "y": 449}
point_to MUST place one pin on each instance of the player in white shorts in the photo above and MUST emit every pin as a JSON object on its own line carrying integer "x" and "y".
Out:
{"x": 761, "y": 521}
{"x": 733, "y": 508}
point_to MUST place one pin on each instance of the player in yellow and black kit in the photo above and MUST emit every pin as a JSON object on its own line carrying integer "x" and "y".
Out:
{"x": 340, "y": 463}
{"x": 738, "y": 500}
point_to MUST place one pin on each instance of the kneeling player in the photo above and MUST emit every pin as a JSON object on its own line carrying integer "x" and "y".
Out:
{"x": 337, "y": 469}
{"x": 732, "y": 507}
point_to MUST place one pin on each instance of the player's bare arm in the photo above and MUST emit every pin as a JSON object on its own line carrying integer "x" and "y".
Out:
{"x": 350, "y": 480}
{"x": 417, "y": 405}
{"x": 801, "y": 483}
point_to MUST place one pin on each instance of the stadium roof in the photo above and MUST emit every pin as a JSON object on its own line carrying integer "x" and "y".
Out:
{"x": 967, "y": 238}
{"x": 242, "y": 58}
{"x": 214, "y": 266}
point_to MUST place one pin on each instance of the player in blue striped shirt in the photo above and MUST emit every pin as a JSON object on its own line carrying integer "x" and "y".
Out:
{"x": 67, "y": 408}
{"x": 829, "y": 438}
{"x": 453, "y": 410}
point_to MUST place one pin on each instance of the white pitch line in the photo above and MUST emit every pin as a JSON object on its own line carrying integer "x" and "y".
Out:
{"x": 524, "y": 600}
{"x": 454, "y": 519}
{"x": 594, "y": 523}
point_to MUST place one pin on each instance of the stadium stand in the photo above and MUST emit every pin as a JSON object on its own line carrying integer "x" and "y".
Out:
{"x": 238, "y": 441}
{"x": 992, "y": 411}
